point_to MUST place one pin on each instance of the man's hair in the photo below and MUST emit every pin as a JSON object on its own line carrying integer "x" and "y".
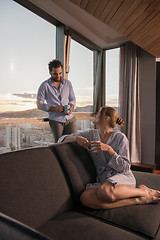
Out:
{"x": 54, "y": 64}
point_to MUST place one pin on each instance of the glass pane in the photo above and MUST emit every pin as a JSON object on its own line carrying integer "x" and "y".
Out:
{"x": 27, "y": 45}
{"x": 24, "y": 134}
{"x": 112, "y": 77}
{"x": 81, "y": 76}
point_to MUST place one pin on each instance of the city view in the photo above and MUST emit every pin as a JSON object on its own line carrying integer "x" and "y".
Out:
{"x": 29, "y": 128}
{"x": 15, "y": 136}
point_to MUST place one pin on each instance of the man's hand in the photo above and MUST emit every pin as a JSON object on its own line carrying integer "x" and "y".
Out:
{"x": 71, "y": 110}
{"x": 56, "y": 109}
{"x": 82, "y": 141}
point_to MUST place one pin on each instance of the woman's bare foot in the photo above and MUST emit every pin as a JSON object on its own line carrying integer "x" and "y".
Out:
{"x": 151, "y": 192}
{"x": 147, "y": 200}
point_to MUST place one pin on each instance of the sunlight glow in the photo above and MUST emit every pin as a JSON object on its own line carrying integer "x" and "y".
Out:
{"x": 12, "y": 66}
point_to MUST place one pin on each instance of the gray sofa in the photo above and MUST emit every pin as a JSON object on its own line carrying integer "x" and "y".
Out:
{"x": 39, "y": 199}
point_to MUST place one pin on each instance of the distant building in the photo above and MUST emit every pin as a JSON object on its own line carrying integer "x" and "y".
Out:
{"x": 13, "y": 137}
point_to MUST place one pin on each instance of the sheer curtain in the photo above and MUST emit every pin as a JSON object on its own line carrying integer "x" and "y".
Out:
{"x": 129, "y": 98}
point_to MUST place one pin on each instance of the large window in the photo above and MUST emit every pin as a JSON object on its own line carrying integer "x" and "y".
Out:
{"x": 112, "y": 77}
{"x": 27, "y": 45}
{"x": 81, "y": 75}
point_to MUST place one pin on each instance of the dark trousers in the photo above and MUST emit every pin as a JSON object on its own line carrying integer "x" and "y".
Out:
{"x": 59, "y": 129}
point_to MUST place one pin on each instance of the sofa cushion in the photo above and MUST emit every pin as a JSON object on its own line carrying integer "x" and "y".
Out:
{"x": 143, "y": 219}
{"x": 77, "y": 165}
{"x": 73, "y": 225}
{"x": 32, "y": 186}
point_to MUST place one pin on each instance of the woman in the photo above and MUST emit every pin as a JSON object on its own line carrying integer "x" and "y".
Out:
{"x": 109, "y": 148}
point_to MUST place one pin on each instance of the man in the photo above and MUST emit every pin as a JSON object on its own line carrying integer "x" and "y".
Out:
{"x": 53, "y": 95}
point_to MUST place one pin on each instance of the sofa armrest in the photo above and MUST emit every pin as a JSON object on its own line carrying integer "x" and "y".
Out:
{"x": 11, "y": 229}
{"x": 149, "y": 179}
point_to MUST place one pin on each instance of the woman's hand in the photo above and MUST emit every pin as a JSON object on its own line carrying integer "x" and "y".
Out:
{"x": 83, "y": 142}
{"x": 98, "y": 146}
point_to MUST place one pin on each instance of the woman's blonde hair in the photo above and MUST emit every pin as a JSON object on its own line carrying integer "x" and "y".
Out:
{"x": 112, "y": 113}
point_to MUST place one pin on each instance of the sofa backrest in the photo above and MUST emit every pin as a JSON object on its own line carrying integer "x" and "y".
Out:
{"x": 33, "y": 188}
{"x": 77, "y": 165}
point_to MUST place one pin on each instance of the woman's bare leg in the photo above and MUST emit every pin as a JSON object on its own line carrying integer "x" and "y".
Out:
{"x": 89, "y": 199}
{"x": 108, "y": 193}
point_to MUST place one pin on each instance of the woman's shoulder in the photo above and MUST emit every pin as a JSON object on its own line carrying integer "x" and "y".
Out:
{"x": 118, "y": 134}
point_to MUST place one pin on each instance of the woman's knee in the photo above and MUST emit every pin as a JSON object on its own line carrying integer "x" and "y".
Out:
{"x": 87, "y": 199}
{"x": 84, "y": 199}
{"x": 106, "y": 194}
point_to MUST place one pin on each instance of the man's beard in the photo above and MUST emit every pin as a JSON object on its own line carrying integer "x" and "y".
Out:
{"x": 56, "y": 80}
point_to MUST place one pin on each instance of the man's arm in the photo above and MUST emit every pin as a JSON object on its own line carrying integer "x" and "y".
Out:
{"x": 41, "y": 99}
{"x": 56, "y": 109}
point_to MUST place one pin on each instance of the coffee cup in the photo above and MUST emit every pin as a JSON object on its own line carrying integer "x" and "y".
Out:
{"x": 93, "y": 148}
{"x": 66, "y": 109}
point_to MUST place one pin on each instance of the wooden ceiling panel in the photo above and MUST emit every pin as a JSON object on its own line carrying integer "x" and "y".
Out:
{"x": 154, "y": 45}
{"x": 150, "y": 38}
{"x": 107, "y": 10}
{"x": 118, "y": 15}
{"x": 148, "y": 29}
{"x": 83, "y": 4}
{"x": 133, "y": 17}
{"x": 91, "y": 6}
{"x": 77, "y": 2}
{"x": 138, "y": 29}
{"x": 113, "y": 11}
{"x": 143, "y": 19}
{"x": 100, "y": 8}
{"x": 137, "y": 20}
{"x": 128, "y": 17}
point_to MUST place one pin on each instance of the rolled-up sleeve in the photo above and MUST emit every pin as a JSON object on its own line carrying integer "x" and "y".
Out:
{"x": 41, "y": 99}
{"x": 120, "y": 161}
